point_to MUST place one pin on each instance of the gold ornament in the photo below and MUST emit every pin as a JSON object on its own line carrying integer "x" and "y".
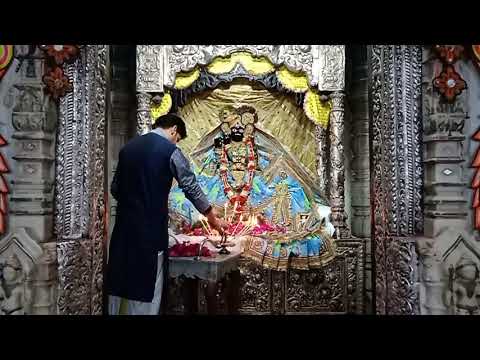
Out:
{"x": 316, "y": 110}
{"x": 184, "y": 79}
{"x": 296, "y": 82}
{"x": 161, "y": 109}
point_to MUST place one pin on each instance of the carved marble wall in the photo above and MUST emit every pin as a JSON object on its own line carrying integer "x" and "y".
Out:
{"x": 28, "y": 117}
{"x": 450, "y": 248}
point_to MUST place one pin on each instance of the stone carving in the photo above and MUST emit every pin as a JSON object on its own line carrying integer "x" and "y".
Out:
{"x": 150, "y": 70}
{"x": 337, "y": 287}
{"x": 337, "y": 166}
{"x": 80, "y": 204}
{"x": 317, "y": 290}
{"x": 18, "y": 257}
{"x": 463, "y": 293}
{"x": 30, "y": 122}
{"x": 15, "y": 296}
{"x": 157, "y": 65}
{"x": 30, "y": 98}
{"x": 254, "y": 288}
{"x": 74, "y": 277}
{"x": 322, "y": 157}
{"x": 397, "y": 171}
{"x": 460, "y": 278}
{"x": 300, "y": 58}
{"x": 144, "y": 117}
{"x": 331, "y": 66}
{"x": 97, "y": 226}
{"x": 444, "y": 123}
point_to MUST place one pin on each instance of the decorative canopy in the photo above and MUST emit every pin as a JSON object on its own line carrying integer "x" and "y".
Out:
{"x": 158, "y": 65}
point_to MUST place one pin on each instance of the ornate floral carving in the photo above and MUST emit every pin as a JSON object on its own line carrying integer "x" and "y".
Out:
{"x": 449, "y": 83}
{"x": 449, "y": 53}
{"x": 255, "y": 285}
{"x": 157, "y": 65}
{"x": 397, "y": 171}
{"x": 337, "y": 166}
{"x": 74, "y": 277}
{"x": 61, "y": 53}
{"x": 322, "y": 157}
{"x": 337, "y": 287}
{"x": 150, "y": 71}
{"x": 98, "y": 204}
{"x": 331, "y": 68}
{"x": 144, "y": 120}
{"x": 320, "y": 290}
{"x": 80, "y": 204}
{"x": 57, "y": 83}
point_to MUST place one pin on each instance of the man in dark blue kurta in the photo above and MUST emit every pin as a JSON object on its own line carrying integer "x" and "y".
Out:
{"x": 141, "y": 185}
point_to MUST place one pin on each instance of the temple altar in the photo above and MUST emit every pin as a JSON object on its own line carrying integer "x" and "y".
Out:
{"x": 265, "y": 142}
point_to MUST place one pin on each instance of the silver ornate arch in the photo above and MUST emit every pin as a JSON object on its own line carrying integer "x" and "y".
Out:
{"x": 157, "y": 65}
{"x": 324, "y": 65}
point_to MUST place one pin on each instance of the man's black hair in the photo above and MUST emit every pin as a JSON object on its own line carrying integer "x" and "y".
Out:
{"x": 170, "y": 120}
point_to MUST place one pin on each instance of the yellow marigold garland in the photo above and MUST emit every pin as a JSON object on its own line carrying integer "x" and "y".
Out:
{"x": 296, "y": 82}
{"x": 254, "y": 65}
{"x": 184, "y": 79}
{"x": 317, "y": 110}
{"x": 161, "y": 109}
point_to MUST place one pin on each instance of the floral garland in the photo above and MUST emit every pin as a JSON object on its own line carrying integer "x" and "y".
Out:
{"x": 242, "y": 197}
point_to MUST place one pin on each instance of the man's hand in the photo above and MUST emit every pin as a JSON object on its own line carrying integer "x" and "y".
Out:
{"x": 216, "y": 222}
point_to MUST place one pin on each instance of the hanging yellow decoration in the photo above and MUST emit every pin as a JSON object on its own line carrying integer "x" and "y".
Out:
{"x": 184, "y": 79}
{"x": 296, "y": 82}
{"x": 161, "y": 109}
{"x": 317, "y": 110}
{"x": 254, "y": 65}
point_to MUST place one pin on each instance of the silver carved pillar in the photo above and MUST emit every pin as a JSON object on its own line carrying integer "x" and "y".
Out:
{"x": 397, "y": 174}
{"x": 321, "y": 148}
{"x": 144, "y": 121}
{"x": 337, "y": 165}
{"x": 80, "y": 203}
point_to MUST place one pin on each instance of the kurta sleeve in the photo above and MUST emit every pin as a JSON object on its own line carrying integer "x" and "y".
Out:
{"x": 187, "y": 181}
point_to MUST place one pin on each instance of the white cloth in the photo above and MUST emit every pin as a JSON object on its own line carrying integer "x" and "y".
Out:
{"x": 139, "y": 307}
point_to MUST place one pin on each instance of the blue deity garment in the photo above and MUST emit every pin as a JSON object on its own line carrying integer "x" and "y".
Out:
{"x": 277, "y": 192}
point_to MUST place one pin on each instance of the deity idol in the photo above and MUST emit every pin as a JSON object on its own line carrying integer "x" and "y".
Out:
{"x": 14, "y": 296}
{"x": 463, "y": 293}
{"x": 249, "y": 176}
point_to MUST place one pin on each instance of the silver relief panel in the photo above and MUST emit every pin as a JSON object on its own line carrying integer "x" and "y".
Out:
{"x": 397, "y": 173}
{"x": 157, "y": 65}
{"x": 80, "y": 205}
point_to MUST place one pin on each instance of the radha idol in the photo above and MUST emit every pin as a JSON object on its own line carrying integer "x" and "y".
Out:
{"x": 278, "y": 216}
